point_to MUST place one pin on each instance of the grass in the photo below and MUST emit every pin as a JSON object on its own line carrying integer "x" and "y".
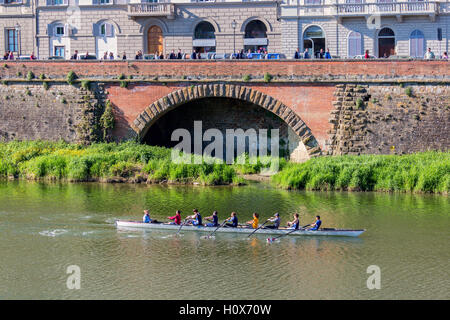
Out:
{"x": 129, "y": 161}
{"x": 419, "y": 172}
{"x": 132, "y": 162}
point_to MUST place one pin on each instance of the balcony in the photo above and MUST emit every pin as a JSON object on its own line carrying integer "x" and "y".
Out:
{"x": 388, "y": 8}
{"x": 151, "y": 10}
{"x": 325, "y": 8}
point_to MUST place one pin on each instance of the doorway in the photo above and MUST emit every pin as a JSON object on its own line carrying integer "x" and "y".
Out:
{"x": 154, "y": 40}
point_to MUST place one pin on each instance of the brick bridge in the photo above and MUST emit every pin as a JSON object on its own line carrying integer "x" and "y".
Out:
{"x": 321, "y": 107}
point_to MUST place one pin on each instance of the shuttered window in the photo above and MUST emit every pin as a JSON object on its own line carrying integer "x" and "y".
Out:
{"x": 354, "y": 44}
{"x": 417, "y": 44}
{"x": 106, "y": 30}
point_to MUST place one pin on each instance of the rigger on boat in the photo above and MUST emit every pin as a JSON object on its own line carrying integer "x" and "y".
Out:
{"x": 231, "y": 225}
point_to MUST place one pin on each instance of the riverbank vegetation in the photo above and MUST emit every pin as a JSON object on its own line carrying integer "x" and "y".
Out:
{"x": 419, "y": 172}
{"x": 106, "y": 162}
{"x": 138, "y": 163}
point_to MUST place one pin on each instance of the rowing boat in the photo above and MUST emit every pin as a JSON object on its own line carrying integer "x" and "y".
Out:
{"x": 242, "y": 230}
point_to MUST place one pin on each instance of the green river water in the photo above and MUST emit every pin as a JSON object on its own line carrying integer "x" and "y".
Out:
{"x": 44, "y": 228}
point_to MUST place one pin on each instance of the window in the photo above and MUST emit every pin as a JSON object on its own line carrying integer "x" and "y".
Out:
{"x": 60, "y": 51}
{"x": 255, "y": 29}
{"x": 103, "y": 1}
{"x": 204, "y": 30}
{"x": 12, "y": 37}
{"x": 59, "y": 30}
{"x": 417, "y": 44}
{"x": 56, "y": 2}
{"x": 11, "y": 1}
{"x": 106, "y": 30}
{"x": 354, "y": 44}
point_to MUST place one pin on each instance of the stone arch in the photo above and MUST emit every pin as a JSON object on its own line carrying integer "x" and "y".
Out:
{"x": 210, "y": 20}
{"x": 179, "y": 97}
{"x": 263, "y": 20}
{"x": 151, "y": 22}
{"x": 115, "y": 24}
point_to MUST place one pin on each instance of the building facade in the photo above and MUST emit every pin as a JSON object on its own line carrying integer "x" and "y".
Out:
{"x": 350, "y": 27}
{"x": 346, "y": 27}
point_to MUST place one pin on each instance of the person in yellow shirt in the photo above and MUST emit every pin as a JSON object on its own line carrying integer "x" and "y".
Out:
{"x": 255, "y": 222}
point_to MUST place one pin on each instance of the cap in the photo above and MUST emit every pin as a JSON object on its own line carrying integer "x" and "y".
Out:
{"x": 277, "y": 214}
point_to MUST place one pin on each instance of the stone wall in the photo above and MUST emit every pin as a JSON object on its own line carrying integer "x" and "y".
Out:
{"x": 336, "y": 107}
{"x": 60, "y": 112}
{"x": 381, "y": 119}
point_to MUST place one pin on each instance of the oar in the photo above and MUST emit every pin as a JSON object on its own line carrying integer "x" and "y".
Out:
{"x": 258, "y": 228}
{"x": 285, "y": 234}
{"x": 184, "y": 222}
{"x": 220, "y": 226}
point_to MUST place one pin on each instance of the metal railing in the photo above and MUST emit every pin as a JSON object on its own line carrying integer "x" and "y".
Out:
{"x": 359, "y": 9}
{"x": 393, "y": 7}
{"x": 151, "y": 9}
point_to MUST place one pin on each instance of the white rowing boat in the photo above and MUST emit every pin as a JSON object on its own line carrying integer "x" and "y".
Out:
{"x": 243, "y": 230}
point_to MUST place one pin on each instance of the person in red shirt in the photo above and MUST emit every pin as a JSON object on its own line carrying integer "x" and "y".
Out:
{"x": 176, "y": 218}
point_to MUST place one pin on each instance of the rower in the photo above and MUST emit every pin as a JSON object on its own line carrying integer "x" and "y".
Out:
{"x": 196, "y": 218}
{"x": 176, "y": 218}
{"x": 294, "y": 224}
{"x": 316, "y": 225}
{"x": 214, "y": 218}
{"x": 233, "y": 219}
{"x": 146, "y": 217}
{"x": 276, "y": 220}
{"x": 255, "y": 222}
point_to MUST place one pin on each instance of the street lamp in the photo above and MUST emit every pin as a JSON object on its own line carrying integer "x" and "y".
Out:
{"x": 17, "y": 29}
{"x": 234, "y": 25}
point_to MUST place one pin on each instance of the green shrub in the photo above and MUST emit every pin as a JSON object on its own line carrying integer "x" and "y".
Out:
{"x": 107, "y": 119}
{"x": 359, "y": 103}
{"x": 42, "y": 76}
{"x": 246, "y": 77}
{"x": 267, "y": 77}
{"x": 30, "y": 75}
{"x": 86, "y": 84}
{"x": 121, "y": 76}
{"x": 409, "y": 92}
{"x": 71, "y": 77}
{"x": 123, "y": 84}
{"x": 45, "y": 85}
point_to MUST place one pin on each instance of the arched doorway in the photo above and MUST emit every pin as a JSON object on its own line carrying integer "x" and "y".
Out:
{"x": 386, "y": 43}
{"x": 314, "y": 40}
{"x": 154, "y": 40}
{"x": 204, "y": 38}
{"x": 255, "y": 37}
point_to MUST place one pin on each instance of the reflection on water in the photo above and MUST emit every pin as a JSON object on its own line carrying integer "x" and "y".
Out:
{"x": 44, "y": 228}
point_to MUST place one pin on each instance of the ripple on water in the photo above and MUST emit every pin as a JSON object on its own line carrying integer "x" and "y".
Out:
{"x": 53, "y": 233}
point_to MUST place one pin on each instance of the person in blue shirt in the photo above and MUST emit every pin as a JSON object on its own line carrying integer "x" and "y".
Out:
{"x": 328, "y": 54}
{"x": 233, "y": 221}
{"x": 214, "y": 218}
{"x": 146, "y": 217}
{"x": 316, "y": 225}
{"x": 294, "y": 224}
{"x": 275, "y": 220}
{"x": 196, "y": 218}
{"x": 306, "y": 54}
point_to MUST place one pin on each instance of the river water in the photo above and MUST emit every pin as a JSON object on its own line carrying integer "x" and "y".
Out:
{"x": 45, "y": 228}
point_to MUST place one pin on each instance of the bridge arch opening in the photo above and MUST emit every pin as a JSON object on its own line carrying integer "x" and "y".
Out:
{"x": 226, "y": 107}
